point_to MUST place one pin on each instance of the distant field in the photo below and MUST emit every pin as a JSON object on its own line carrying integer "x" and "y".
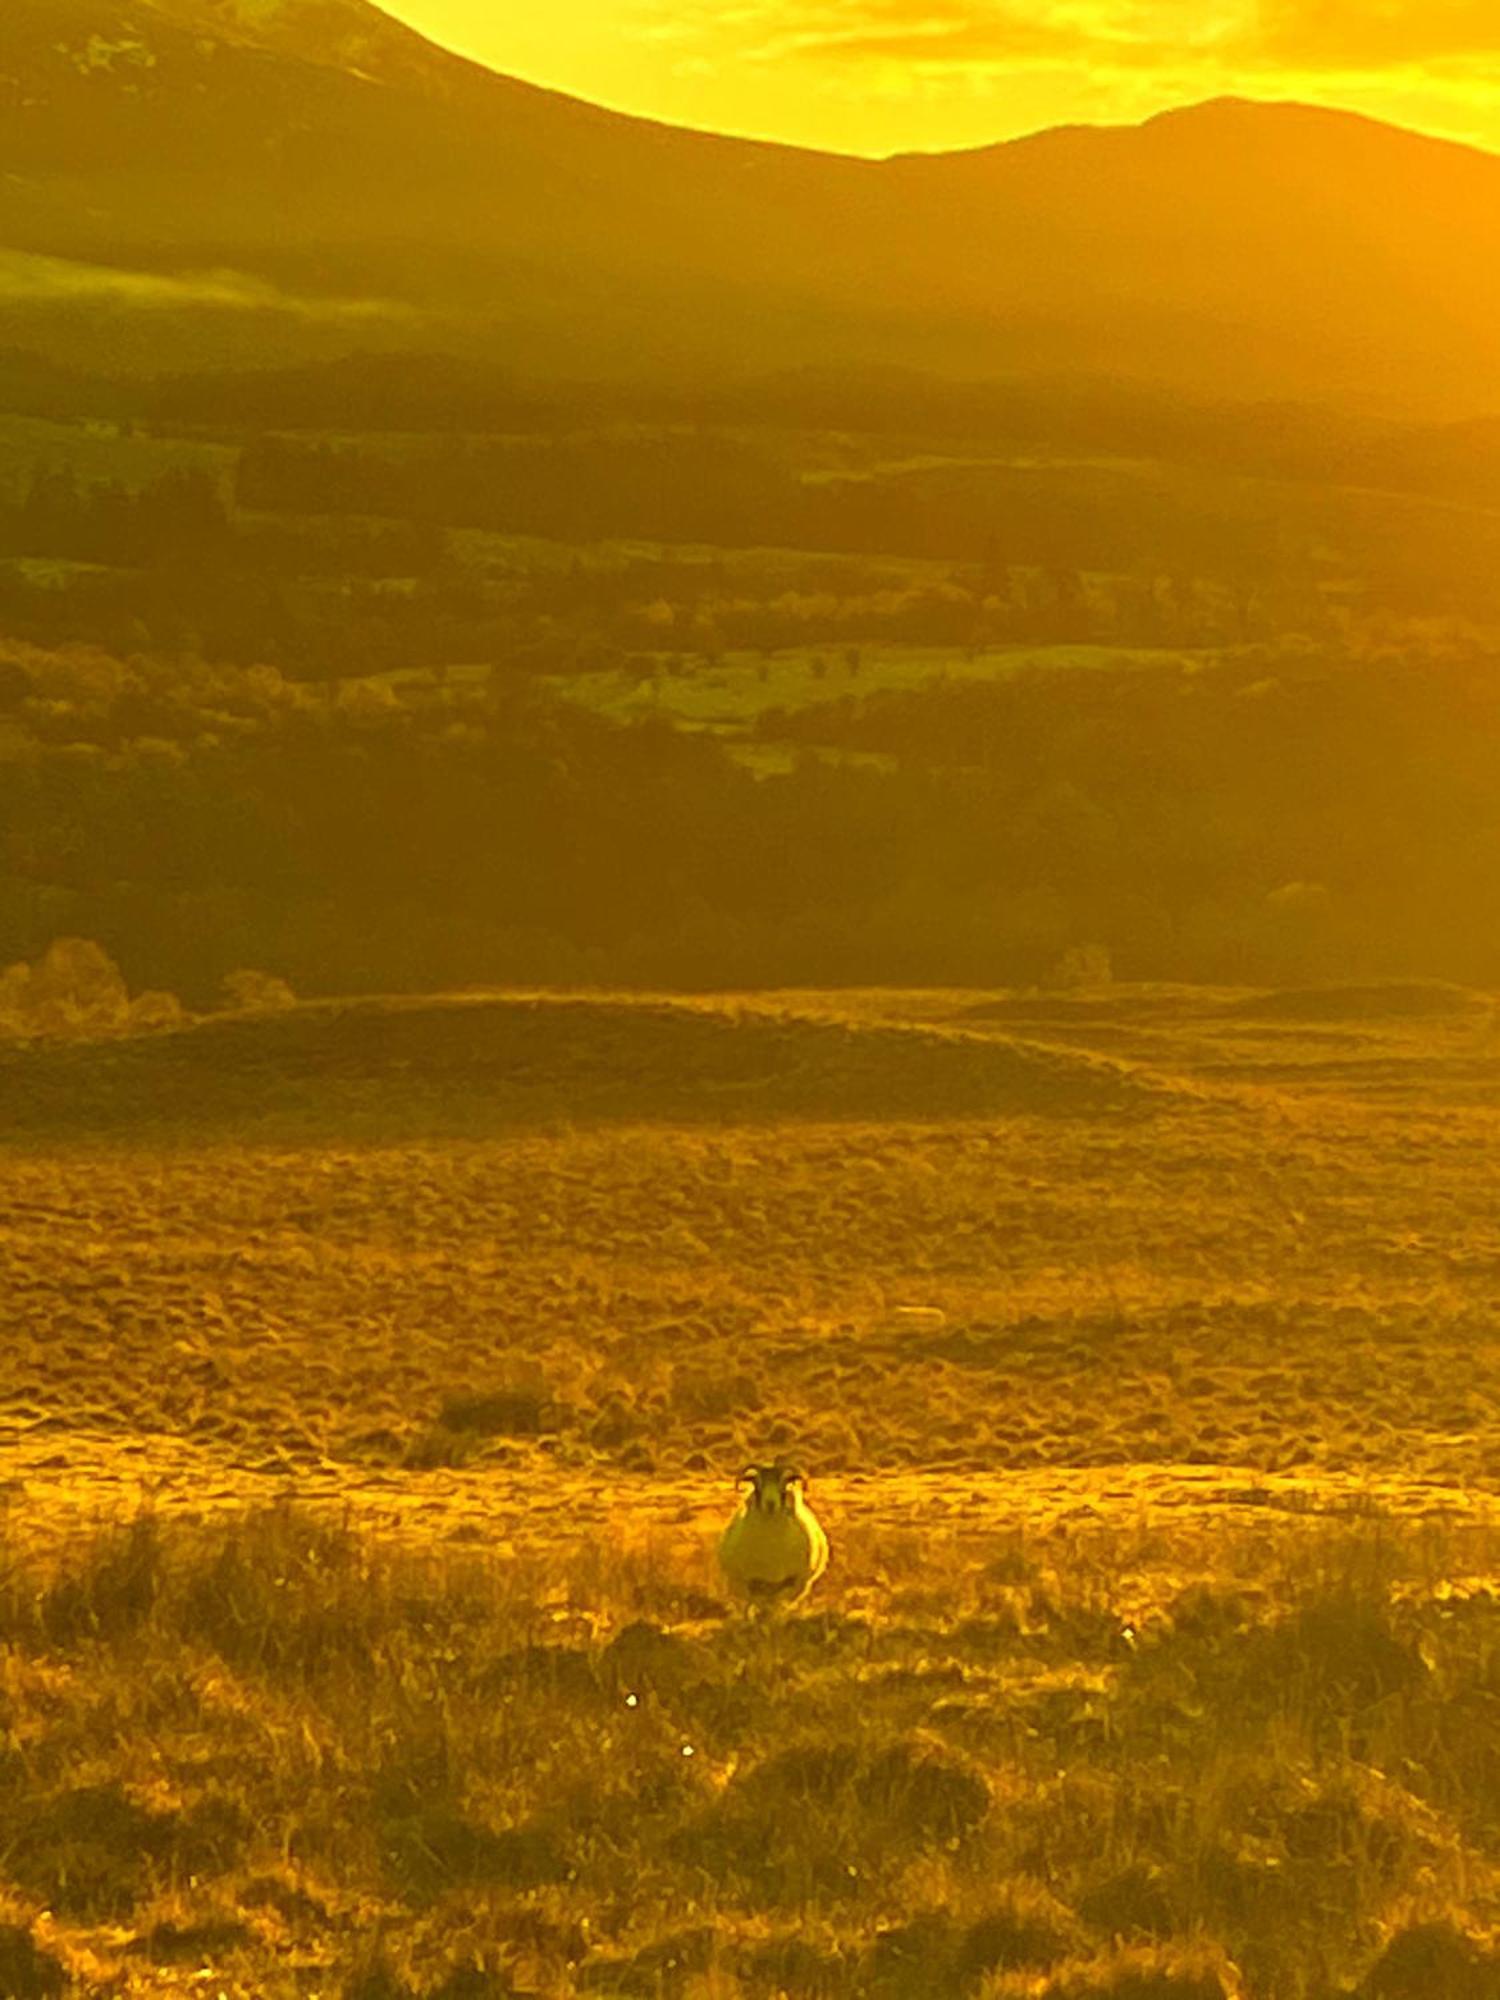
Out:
{"x": 730, "y": 693}
{"x": 98, "y": 454}
{"x": 1157, "y": 1658}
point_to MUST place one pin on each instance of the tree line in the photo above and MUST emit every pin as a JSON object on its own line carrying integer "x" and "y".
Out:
{"x": 1239, "y": 821}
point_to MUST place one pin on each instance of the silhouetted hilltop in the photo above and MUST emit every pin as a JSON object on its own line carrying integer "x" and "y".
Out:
{"x": 237, "y": 184}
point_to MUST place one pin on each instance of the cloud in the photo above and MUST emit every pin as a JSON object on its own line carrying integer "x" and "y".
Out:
{"x": 955, "y": 34}
{"x": 26, "y": 279}
{"x": 952, "y": 43}
{"x": 1364, "y": 35}
{"x": 1298, "y": 37}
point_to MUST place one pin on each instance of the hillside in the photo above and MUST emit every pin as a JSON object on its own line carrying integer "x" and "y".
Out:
{"x": 249, "y": 184}
{"x": 1156, "y": 1655}
{"x": 476, "y": 1067}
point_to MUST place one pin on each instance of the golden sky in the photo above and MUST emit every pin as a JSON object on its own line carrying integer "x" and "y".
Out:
{"x": 880, "y": 76}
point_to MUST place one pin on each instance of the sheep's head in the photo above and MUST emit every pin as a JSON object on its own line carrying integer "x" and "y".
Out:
{"x": 772, "y": 1488}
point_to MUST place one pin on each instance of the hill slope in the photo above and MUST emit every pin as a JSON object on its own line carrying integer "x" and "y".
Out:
{"x": 476, "y": 1066}
{"x": 245, "y": 180}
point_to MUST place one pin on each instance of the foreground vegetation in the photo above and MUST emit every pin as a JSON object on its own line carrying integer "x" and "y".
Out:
{"x": 273, "y": 1756}
{"x": 372, "y": 1383}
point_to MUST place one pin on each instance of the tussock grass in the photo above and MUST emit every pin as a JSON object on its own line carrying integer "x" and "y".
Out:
{"x": 1389, "y": 1000}
{"x": 315, "y": 1760}
{"x": 1101, "y": 1698}
{"x": 466, "y": 1067}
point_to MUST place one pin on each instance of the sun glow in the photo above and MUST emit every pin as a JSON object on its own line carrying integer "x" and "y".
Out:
{"x": 880, "y": 76}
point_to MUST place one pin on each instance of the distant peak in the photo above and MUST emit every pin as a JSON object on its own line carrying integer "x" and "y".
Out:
{"x": 341, "y": 34}
{"x": 1226, "y": 106}
{"x": 1281, "y": 115}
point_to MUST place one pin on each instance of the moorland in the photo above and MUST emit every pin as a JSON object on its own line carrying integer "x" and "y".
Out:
{"x": 375, "y": 1379}
{"x": 733, "y": 803}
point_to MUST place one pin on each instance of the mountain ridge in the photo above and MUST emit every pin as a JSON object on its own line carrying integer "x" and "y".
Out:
{"x": 341, "y": 168}
{"x": 285, "y": 25}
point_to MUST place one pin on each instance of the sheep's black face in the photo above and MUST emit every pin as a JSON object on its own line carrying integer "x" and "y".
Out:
{"x": 771, "y": 1488}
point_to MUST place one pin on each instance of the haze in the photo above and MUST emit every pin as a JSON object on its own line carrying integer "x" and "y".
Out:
{"x": 881, "y": 76}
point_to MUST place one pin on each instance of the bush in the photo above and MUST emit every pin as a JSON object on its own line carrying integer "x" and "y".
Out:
{"x": 251, "y": 992}
{"x": 75, "y": 989}
{"x": 1082, "y": 968}
{"x": 153, "y": 1009}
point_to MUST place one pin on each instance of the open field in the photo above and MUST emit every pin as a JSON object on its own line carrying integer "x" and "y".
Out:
{"x": 734, "y": 692}
{"x": 373, "y": 1378}
{"x": 99, "y": 453}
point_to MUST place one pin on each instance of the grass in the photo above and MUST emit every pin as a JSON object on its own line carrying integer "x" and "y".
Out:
{"x": 359, "y": 1633}
{"x": 312, "y": 1759}
{"x": 101, "y": 453}
{"x": 733, "y": 692}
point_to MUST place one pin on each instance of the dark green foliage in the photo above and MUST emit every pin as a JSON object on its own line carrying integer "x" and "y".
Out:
{"x": 1343, "y": 1651}
{"x": 938, "y": 1953}
{"x": 432, "y": 1847}
{"x": 642, "y": 1656}
{"x": 1150, "y": 1985}
{"x": 1334, "y": 1658}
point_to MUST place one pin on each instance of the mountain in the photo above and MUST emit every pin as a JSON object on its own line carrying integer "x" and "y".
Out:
{"x": 212, "y": 183}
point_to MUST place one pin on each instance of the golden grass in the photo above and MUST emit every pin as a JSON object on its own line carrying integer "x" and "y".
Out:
{"x": 315, "y": 1761}
{"x": 358, "y": 1630}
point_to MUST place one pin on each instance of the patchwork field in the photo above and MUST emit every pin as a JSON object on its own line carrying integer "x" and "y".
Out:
{"x": 731, "y": 694}
{"x": 373, "y": 1379}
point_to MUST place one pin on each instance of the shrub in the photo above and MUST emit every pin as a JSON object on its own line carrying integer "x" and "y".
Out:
{"x": 1082, "y": 968}
{"x": 76, "y": 990}
{"x": 250, "y": 992}
{"x": 153, "y": 1009}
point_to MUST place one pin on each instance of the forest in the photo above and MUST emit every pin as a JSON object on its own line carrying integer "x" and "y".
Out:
{"x": 603, "y": 697}
{"x": 360, "y": 837}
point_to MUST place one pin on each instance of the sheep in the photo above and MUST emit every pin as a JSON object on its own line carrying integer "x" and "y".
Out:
{"x": 774, "y": 1549}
